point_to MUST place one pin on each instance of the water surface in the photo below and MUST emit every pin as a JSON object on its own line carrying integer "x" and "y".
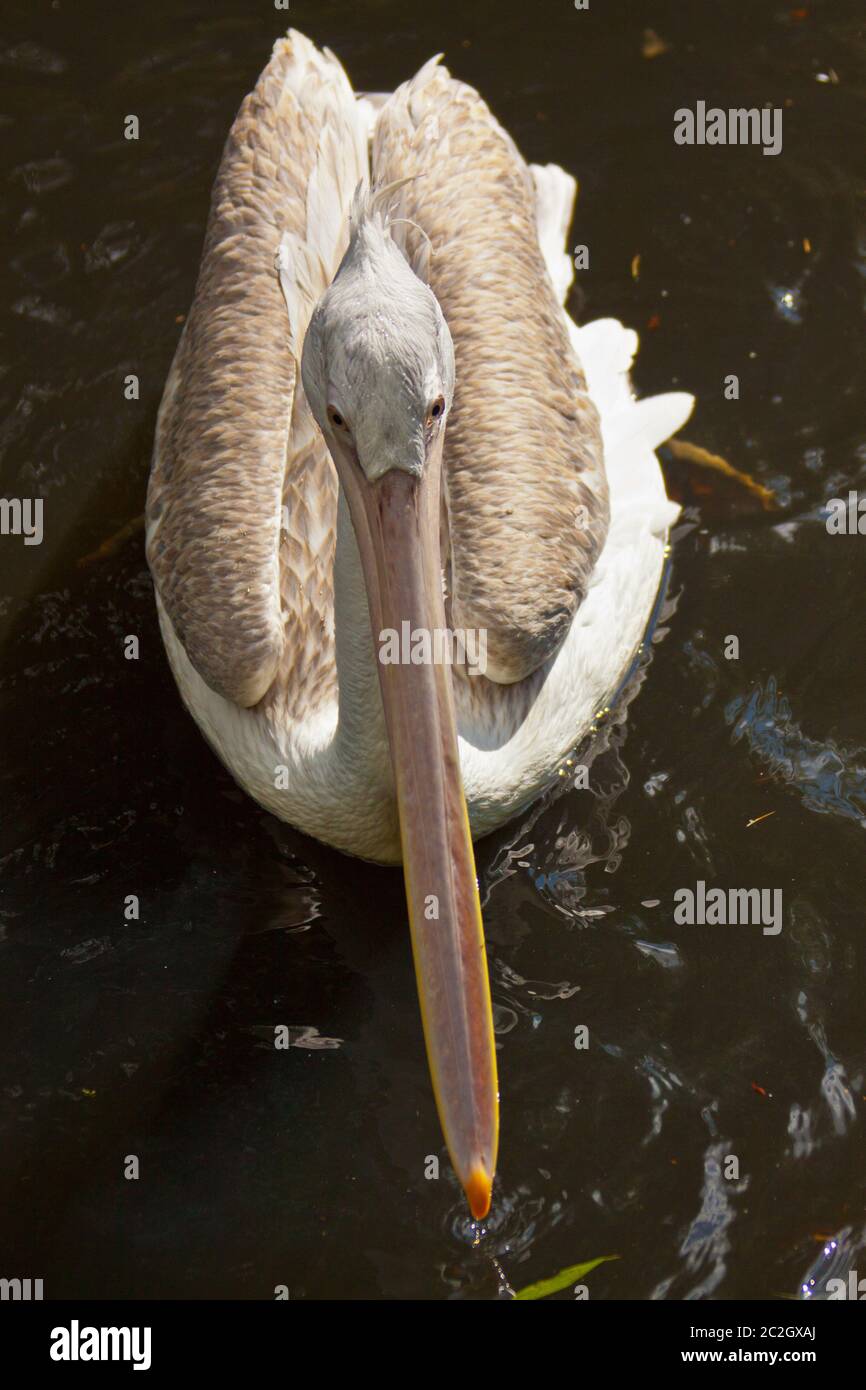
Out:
{"x": 151, "y": 1037}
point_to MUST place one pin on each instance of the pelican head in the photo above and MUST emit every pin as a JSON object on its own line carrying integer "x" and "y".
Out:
{"x": 378, "y": 361}
{"x": 378, "y": 371}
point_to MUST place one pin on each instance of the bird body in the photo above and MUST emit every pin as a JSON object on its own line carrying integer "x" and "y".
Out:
{"x": 379, "y": 409}
{"x": 251, "y": 574}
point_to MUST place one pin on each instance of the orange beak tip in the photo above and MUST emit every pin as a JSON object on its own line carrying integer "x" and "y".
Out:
{"x": 479, "y": 1189}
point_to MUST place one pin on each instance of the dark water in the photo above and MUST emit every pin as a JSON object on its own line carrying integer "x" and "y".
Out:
{"x": 151, "y": 1037}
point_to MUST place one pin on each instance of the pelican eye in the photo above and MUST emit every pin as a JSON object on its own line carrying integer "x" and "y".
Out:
{"x": 336, "y": 419}
{"x": 436, "y": 411}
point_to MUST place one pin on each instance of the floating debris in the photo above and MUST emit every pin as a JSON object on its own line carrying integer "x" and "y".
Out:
{"x": 110, "y": 546}
{"x": 571, "y": 1275}
{"x": 693, "y": 453}
{"x": 653, "y": 46}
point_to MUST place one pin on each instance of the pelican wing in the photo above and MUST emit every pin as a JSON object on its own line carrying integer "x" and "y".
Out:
{"x": 242, "y": 498}
{"x": 527, "y": 495}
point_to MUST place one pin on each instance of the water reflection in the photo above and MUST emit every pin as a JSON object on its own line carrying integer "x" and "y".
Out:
{"x": 831, "y": 780}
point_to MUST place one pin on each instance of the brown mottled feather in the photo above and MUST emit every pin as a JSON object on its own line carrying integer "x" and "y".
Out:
{"x": 527, "y": 496}
{"x": 235, "y": 438}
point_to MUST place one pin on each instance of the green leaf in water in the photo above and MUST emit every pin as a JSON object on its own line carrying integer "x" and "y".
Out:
{"x": 572, "y": 1275}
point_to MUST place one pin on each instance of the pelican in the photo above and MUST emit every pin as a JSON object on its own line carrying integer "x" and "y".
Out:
{"x": 380, "y": 420}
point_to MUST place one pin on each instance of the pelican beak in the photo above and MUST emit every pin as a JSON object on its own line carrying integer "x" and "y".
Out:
{"x": 396, "y": 523}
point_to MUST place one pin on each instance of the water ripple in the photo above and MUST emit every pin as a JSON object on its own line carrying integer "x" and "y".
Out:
{"x": 831, "y": 780}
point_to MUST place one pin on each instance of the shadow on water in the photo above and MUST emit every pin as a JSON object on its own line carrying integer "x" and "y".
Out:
{"x": 152, "y": 1037}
